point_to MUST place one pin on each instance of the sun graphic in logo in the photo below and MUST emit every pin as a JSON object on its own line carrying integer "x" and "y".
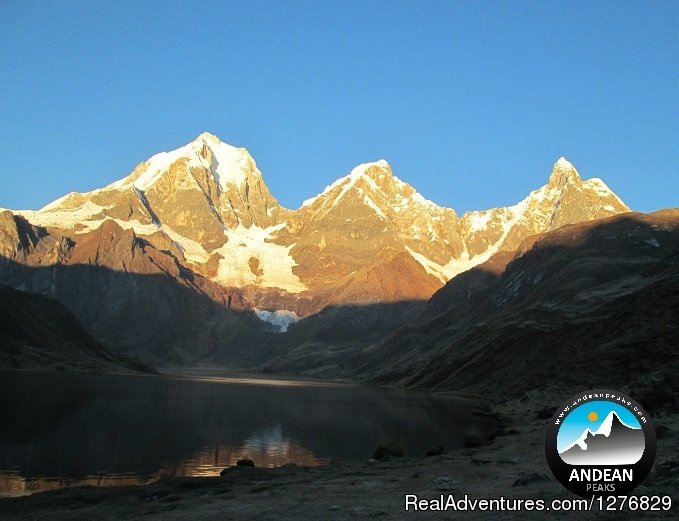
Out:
{"x": 593, "y": 416}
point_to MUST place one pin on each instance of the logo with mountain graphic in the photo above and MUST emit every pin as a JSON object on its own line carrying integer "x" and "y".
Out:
{"x": 601, "y": 436}
{"x": 600, "y": 442}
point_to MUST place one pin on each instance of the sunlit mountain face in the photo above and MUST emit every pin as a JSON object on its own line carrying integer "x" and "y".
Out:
{"x": 194, "y": 236}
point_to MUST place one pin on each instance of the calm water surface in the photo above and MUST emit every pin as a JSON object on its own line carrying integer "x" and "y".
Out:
{"x": 59, "y": 429}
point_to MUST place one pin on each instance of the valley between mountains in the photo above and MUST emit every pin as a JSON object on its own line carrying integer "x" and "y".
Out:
{"x": 190, "y": 261}
{"x": 190, "y": 264}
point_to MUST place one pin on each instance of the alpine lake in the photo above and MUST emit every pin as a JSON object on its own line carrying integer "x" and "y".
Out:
{"x": 61, "y": 429}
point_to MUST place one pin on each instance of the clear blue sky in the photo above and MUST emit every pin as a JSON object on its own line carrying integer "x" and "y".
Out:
{"x": 471, "y": 102}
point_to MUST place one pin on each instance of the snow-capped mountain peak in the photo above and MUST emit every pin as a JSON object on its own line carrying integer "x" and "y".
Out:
{"x": 563, "y": 173}
{"x": 228, "y": 164}
{"x": 208, "y": 200}
{"x": 207, "y": 136}
{"x": 363, "y": 168}
{"x": 370, "y": 172}
{"x": 563, "y": 164}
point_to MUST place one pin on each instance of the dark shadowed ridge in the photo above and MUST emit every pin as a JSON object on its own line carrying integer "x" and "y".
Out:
{"x": 151, "y": 317}
{"x": 136, "y": 298}
{"x": 37, "y": 332}
{"x": 589, "y": 304}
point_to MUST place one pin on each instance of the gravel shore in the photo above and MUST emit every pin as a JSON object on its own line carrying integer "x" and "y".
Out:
{"x": 512, "y": 466}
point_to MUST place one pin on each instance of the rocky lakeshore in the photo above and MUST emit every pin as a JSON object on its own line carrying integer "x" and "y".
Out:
{"x": 511, "y": 466}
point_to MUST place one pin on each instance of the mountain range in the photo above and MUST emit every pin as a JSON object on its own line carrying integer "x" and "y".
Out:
{"x": 191, "y": 260}
{"x": 587, "y": 303}
{"x": 207, "y": 204}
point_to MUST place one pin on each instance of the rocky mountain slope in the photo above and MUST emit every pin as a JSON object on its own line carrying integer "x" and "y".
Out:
{"x": 37, "y": 332}
{"x": 131, "y": 295}
{"x": 585, "y": 305}
{"x": 201, "y": 220}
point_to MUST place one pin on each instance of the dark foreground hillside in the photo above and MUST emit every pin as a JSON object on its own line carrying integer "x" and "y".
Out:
{"x": 590, "y": 304}
{"x": 40, "y": 333}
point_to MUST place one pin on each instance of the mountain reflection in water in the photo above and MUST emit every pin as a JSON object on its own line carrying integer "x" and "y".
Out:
{"x": 71, "y": 429}
{"x": 206, "y": 462}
